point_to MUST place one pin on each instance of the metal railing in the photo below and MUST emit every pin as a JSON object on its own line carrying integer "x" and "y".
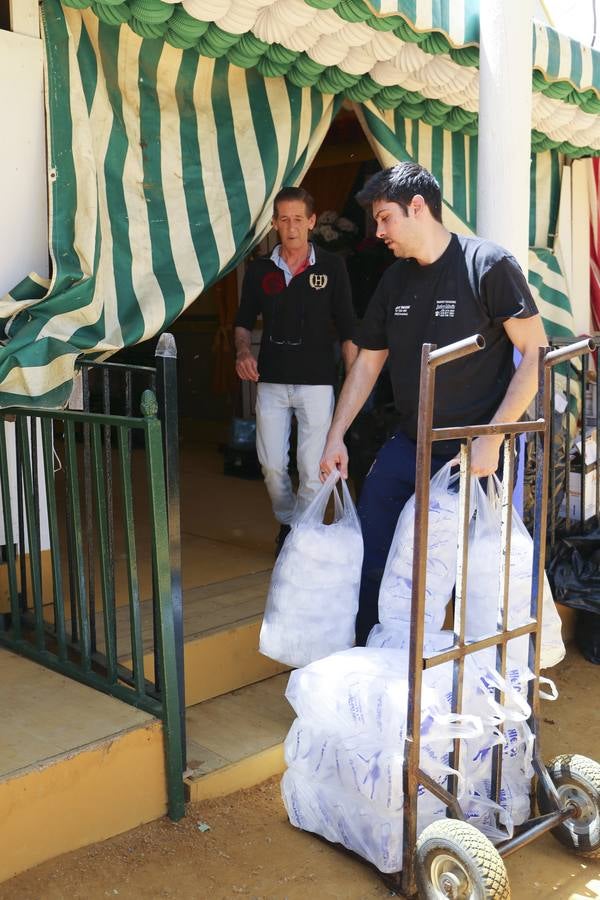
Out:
{"x": 574, "y": 486}
{"x": 109, "y": 387}
{"x": 67, "y": 617}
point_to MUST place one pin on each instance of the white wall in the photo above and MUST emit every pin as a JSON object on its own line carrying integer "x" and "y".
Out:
{"x": 23, "y": 201}
{"x": 25, "y": 17}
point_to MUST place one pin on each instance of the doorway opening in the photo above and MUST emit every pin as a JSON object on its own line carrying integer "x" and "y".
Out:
{"x": 228, "y": 530}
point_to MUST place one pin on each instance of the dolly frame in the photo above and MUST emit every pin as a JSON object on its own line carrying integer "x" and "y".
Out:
{"x": 431, "y": 359}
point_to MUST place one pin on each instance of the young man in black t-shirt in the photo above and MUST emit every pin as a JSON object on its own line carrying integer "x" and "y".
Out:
{"x": 442, "y": 288}
{"x": 303, "y": 295}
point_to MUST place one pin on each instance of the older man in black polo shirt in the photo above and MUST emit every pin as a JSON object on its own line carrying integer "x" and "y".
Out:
{"x": 303, "y": 295}
{"x": 442, "y": 288}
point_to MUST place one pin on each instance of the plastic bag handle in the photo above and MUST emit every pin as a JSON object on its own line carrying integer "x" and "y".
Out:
{"x": 444, "y": 478}
{"x": 528, "y": 755}
{"x": 503, "y": 712}
{"x": 504, "y": 818}
{"x": 545, "y": 695}
{"x": 343, "y": 503}
{"x": 317, "y": 506}
{"x": 338, "y": 506}
{"x": 496, "y": 738}
{"x": 456, "y": 726}
{"x": 517, "y": 709}
{"x": 343, "y": 506}
{"x": 438, "y": 768}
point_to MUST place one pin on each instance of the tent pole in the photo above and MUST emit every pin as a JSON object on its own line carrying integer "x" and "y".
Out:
{"x": 504, "y": 147}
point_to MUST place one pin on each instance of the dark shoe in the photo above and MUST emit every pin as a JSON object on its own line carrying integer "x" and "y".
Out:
{"x": 280, "y": 539}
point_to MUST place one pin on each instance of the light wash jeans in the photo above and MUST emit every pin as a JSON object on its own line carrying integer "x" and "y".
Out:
{"x": 312, "y": 405}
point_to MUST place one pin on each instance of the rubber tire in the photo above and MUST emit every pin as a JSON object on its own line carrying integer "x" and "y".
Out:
{"x": 584, "y": 774}
{"x": 479, "y": 860}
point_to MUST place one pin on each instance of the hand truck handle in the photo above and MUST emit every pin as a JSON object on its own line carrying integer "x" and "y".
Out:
{"x": 455, "y": 351}
{"x": 562, "y": 354}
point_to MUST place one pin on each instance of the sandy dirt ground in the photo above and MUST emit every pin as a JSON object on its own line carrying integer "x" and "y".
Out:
{"x": 252, "y": 851}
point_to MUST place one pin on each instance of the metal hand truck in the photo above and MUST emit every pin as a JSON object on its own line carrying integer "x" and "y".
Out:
{"x": 451, "y": 858}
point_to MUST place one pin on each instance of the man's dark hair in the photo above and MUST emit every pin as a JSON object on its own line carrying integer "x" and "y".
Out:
{"x": 399, "y": 184}
{"x": 294, "y": 193}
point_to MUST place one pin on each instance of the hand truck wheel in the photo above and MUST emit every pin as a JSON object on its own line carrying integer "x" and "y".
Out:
{"x": 455, "y": 861}
{"x": 577, "y": 780}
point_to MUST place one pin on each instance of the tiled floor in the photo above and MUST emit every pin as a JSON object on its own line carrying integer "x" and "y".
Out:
{"x": 238, "y": 725}
{"x": 44, "y": 715}
{"x": 227, "y": 527}
{"x": 228, "y": 537}
{"x": 221, "y": 508}
{"x": 208, "y": 608}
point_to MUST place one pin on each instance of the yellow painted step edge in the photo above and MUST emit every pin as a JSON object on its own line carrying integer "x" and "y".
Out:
{"x": 222, "y": 661}
{"x": 239, "y": 775}
{"x": 85, "y": 796}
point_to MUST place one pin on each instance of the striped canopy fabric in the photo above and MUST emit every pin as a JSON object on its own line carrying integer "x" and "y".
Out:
{"x": 457, "y": 19}
{"x": 421, "y": 56}
{"x": 163, "y": 167}
{"x": 453, "y": 160}
{"x": 173, "y": 124}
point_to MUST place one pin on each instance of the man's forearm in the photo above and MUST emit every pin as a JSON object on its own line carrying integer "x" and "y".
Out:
{"x": 242, "y": 339}
{"x": 357, "y": 387}
{"x": 521, "y": 390}
{"x": 349, "y": 354}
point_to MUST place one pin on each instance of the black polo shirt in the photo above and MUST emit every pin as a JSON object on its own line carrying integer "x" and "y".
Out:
{"x": 300, "y": 321}
{"x": 473, "y": 288}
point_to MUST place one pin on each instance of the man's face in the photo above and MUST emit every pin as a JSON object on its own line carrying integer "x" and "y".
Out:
{"x": 292, "y": 224}
{"x": 396, "y": 227}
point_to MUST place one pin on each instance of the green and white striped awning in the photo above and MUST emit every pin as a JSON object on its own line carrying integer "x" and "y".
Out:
{"x": 453, "y": 160}
{"x": 163, "y": 168}
{"x": 420, "y": 56}
{"x": 172, "y": 126}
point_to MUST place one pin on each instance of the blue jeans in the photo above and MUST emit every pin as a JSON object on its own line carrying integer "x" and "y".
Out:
{"x": 387, "y": 487}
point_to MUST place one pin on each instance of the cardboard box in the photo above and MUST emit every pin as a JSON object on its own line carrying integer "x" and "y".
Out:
{"x": 575, "y": 493}
{"x": 590, "y": 448}
{"x": 590, "y": 400}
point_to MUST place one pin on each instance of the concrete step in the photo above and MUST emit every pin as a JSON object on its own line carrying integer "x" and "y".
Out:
{"x": 221, "y": 627}
{"x": 221, "y": 624}
{"x": 76, "y": 766}
{"x": 236, "y": 740}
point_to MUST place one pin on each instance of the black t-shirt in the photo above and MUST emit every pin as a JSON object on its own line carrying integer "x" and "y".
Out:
{"x": 300, "y": 321}
{"x": 472, "y": 288}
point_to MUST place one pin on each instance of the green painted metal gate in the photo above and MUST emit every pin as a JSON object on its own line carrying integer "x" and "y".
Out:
{"x": 96, "y": 635}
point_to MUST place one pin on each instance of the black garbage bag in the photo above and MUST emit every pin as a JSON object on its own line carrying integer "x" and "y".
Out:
{"x": 574, "y": 572}
{"x": 587, "y": 635}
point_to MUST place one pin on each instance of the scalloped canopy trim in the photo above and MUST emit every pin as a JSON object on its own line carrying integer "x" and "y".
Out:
{"x": 346, "y": 47}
